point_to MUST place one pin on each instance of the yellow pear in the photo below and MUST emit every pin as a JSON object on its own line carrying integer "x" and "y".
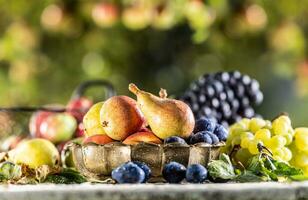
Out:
{"x": 91, "y": 121}
{"x": 35, "y": 153}
{"x": 166, "y": 117}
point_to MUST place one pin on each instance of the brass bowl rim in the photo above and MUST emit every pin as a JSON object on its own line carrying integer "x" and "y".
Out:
{"x": 200, "y": 144}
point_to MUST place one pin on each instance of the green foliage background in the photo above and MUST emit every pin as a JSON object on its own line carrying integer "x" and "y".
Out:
{"x": 42, "y": 63}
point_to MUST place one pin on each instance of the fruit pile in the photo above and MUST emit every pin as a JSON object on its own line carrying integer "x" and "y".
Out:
{"x": 150, "y": 119}
{"x": 226, "y": 97}
{"x": 285, "y": 143}
{"x": 120, "y": 118}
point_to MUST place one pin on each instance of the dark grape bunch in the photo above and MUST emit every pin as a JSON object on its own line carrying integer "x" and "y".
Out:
{"x": 225, "y": 97}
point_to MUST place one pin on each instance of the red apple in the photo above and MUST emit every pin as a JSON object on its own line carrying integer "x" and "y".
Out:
{"x": 98, "y": 139}
{"x": 79, "y": 107}
{"x": 80, "y": 132}
{"x": 35, "y": 122}
{"x": 147, "y": 137}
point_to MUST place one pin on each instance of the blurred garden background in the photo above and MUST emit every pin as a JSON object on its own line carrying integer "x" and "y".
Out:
{"x": 47, "y": 47}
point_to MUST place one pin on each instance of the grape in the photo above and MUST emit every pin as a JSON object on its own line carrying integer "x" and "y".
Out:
{"x": 289, "y": 138}
{"x": 277, "y": 142}
{"x": 263, "y": 135}
{"x": 244, "y": 135}
{"x": 246, "y": 138}
{"x": 283, "y": 153}
{"x": 301, "y": 139}
{"x": 285, "y": 119}
{"x": 242, "y": 125}
{"x": 245, "y": 123}
{"x": 256, "y": 124}
{"x": 268, "y": 124}
{"x": 245, "y": 142}
{"x": 287, "y": 154}
{"x": 253, "y": 147}
{"x": 291, "y": 131}
{"x": 234, "y": 133}
{"x": 278, "y": 153}
{"x": 281, "y": 126}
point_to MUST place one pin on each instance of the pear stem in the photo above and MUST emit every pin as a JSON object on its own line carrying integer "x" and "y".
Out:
{"x": 133, "y": 88}
{"x": 163, "y": 93}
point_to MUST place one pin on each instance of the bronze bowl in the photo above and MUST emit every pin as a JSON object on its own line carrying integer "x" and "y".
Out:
{"x": 98, "y": 161}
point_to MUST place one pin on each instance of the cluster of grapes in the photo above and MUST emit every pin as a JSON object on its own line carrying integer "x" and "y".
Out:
{"x": 246, "y": 135}
{"x": 225, "y": 97}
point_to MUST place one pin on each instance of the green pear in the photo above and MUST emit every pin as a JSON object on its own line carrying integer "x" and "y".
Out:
{"x": 166, "y": 117}
{"x": 91, "y": 121}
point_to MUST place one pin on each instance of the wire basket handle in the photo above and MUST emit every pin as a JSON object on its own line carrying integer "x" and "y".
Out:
{"x": 84, "y": 86}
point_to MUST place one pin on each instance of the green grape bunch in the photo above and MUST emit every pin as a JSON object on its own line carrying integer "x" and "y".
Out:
{"x": 277, "y": 136}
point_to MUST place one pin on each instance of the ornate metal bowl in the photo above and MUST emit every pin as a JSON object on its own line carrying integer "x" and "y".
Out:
{"x": 98, "y": 161}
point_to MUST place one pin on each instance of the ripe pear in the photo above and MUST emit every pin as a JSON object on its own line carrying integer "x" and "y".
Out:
{"x": 35, "y": 153}
{"x": 121, "y": 117}
{"x": 166, "y": 117}
{"x": 91, "y": 121}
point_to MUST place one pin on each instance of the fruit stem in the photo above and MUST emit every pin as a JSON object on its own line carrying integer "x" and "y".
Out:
{"x": 133, "y": 88}
{"x": 163, "y": 93}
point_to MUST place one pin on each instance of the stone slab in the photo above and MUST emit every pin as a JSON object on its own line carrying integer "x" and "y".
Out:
{"x": 227, "y": 191}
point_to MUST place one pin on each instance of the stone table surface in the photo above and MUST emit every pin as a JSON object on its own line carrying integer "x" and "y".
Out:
{"x": 227, "y": 191}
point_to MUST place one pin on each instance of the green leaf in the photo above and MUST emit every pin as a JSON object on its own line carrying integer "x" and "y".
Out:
{"x": 222, "y": 168}
{"x": 283, "y": 169}
{"x": 66, "y": 176}
{"x": 266, "y": 166}
{"x": 254, "y": 164}
{"x": 248, "y": 176}
{"x": 261, "y": 166}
